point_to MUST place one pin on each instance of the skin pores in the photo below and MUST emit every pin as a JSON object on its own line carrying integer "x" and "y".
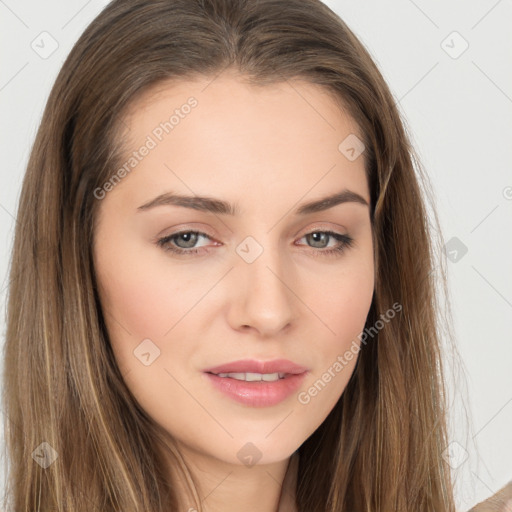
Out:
{"x": 268, "y": 149}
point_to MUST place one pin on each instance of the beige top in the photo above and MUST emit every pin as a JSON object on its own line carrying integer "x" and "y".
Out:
{"x": 499, "y": 502}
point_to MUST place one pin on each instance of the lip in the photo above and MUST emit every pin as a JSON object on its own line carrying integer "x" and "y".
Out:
{"x": 253, "y": 366}
{"x": 259, "y": 393}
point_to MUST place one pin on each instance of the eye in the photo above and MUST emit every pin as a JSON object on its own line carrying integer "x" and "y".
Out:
{"x": 319, "y": 237}
{"x": 190, "y": 239}
{"x": 183, "y": 243}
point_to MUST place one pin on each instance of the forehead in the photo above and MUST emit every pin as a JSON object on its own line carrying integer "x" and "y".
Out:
{"x": 221, "y": 135}
{"x": 231, "y": 93}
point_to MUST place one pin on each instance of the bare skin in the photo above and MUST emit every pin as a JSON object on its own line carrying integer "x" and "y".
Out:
{"x": 269, "y": 150}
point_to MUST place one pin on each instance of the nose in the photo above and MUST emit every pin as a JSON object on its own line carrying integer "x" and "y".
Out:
{"x": 263, "y": 296}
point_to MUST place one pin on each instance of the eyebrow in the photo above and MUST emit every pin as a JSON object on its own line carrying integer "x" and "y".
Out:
{"x": 217, "y": 206}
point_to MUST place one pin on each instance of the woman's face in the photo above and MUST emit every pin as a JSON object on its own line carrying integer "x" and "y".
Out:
{"x": 261, "y": 283}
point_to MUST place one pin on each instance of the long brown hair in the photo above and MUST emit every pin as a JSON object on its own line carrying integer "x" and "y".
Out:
{"x": 380, "y": 448}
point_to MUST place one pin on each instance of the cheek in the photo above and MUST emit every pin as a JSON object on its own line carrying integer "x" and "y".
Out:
{"x": 341, "y": 303}
{"x": 341, "y": 299}
{"x": 140, "y": 291}
{"x": 146, "y": 313}
{"x": 139, "y": 297}
{"x": 143, "y": 305}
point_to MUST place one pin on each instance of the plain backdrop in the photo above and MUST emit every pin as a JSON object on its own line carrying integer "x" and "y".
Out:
{"x": 449, "y": 66}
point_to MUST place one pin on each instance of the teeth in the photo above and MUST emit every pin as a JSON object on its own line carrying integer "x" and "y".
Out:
{"x": 254, "y": 377}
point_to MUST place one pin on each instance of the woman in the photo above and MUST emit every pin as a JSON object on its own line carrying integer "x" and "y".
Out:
{"x": 291, "y": 363}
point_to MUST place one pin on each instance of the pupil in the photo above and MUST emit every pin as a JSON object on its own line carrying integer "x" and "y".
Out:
{"x": 318, "y": 236}
{"x": 188, "y": 237}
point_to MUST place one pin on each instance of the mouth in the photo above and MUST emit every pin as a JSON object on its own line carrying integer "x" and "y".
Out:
{"x": 253, "y": 377}
{"x": 256, "y": 383}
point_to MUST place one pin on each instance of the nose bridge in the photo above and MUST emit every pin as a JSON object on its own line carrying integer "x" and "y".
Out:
{"x": 266, "y": 299}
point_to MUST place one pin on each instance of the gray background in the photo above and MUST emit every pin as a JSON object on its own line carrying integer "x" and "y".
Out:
{"x": 457, "y": 106}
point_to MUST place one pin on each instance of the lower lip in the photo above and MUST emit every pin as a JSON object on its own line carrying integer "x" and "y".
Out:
{"x": 259, "y": 393}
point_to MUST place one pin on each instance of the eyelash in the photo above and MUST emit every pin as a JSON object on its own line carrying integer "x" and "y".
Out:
{"x": 345, "y": 243}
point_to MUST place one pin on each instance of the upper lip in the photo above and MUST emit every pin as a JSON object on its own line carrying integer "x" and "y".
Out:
{"x": 253, "y": 366}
